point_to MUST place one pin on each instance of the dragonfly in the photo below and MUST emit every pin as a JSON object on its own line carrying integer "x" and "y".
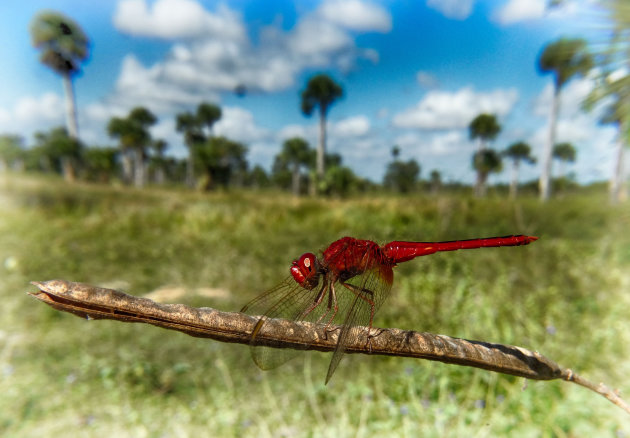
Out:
{"x": 344, "y": 287}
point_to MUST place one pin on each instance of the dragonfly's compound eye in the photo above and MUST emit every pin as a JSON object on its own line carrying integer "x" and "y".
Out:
{"x": 304, "y": 270}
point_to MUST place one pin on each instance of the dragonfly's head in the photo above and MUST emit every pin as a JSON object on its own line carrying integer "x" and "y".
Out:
{"x": 305, "y": 270}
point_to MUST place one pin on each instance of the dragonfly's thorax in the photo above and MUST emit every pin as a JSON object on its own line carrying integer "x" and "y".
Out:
{"x": 348, "y": 257}
{"x": 306, "y": 270}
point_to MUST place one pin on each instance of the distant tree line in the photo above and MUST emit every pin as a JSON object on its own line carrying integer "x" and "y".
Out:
{"x": 216, "y": 161}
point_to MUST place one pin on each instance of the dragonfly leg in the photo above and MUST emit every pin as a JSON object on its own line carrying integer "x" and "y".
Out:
{"x": 332, "y": 303}
{"x": 360, "y": 292}
{"x": 370, "y": 336}
{"x": 316, "y": 302}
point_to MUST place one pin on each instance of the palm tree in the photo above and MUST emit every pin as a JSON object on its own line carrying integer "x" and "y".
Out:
{"x": 484, "y": 127}
{"x": 618, "y": 115}
{"x": 395, "y": 152}
{"x": 11, "y": 152}
{"x": 189, "y": 125}
{"x": 134, "y": 138}
{"x": 159, "y": 146}
{"x": 207, "y": 115}
{"x": 100, "y": 163}
{"x": 64, "y": 46}
{"x": 192, "y": 126}
{"x": 296, "y": 154}
{"x": 321, "y": 91}
{"x": 485, "y": 162}
{"x": 565, "y": 59}
{"x": 612, "y": 54}
{"x": 518, "y": 152}
{"x": 221, "y": 159}
{"x": 60, "y": 151}
{"x": 565, "y": 153}
{"x": 436, "y": 181}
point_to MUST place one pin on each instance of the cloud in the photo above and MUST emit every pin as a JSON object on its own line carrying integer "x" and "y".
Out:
{"x": 426, "y": 80}
{"x": 571, "y": 98}
{"x": 176, "y": 19}
{"x": 455, "y": 9}
{"x": 238, "y": 124}
{"x": 520, "y": 10}
{"x": 356, "y": 126}
{"x": 290, "y": 131}
{"x": 356, "y": 15}
{"x": 448, "y": 110}
{"x": 212, "y": 53}
{"x": 33, "y": 113}
{"x": 515, "y": 11}
{"x": 435, "y": 145}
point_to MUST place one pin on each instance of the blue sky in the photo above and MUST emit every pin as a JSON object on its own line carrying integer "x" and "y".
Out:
{"x": 415, "y": 73}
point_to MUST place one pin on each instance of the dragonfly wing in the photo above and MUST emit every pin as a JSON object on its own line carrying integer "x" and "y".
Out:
{"x": 363, "y": 295}
{"x": 288, "y": 300}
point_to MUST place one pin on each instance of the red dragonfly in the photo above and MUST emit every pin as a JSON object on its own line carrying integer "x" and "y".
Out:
{"x": 346, "y": 286}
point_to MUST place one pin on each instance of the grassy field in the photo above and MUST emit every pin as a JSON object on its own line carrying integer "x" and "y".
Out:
{"x": 567, "y": 296}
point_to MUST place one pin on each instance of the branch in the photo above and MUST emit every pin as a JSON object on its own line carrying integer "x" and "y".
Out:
{"x": 98, "y": 303}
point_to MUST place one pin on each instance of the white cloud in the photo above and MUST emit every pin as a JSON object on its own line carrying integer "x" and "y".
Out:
{"x": 238, "y": 124}
{"x": 356, "y": 15}
{"x": 33, "y": 113}
{"x": 221, "y": 57}
{"x": 455, "y": 9}
{"x": 356, "y": 126}
{"x": 330, "y": 38}
{"x": 435, "y": 145}
{"x": 447, "y": 110}
{"x": 426, "y": 79}
{"x": 176, "y": 19}
{"x": 291, "y": 131}
{"x": 571, "y": 97}
{"x": 47, "y": 108}
{"x": 520, "y": 10}
{"x": 515, "y": 11}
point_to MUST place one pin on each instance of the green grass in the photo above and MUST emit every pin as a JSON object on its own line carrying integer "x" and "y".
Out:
{"x": 567, "y": 296}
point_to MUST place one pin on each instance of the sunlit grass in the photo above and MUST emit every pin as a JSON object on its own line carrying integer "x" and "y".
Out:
{"x": 565, "y": 296}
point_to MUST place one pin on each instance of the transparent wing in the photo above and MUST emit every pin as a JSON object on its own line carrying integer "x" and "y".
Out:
{"x": 288, "y": 300}
{"x": 362, "y": 297}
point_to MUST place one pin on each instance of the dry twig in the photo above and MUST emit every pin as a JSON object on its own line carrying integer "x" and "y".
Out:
{"x": 98, "y": 303}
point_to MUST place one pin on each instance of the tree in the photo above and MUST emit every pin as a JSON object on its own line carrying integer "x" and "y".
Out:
{"x": 64, "y": 46}
{"x": 321, "y": 92}
{"x": 565, "y": 153}
{"x": 100, "y": 163}
{"x": 435, "y": 178}
{"x": 193, "y": 127}
{"x": 221, "y": 160}
{"x": 134, "y": 137}
{"x": 402, "y": 176}
{"x": 395, "y": 152}
{"x": 189, "y": 125}
{"x": 340, "y": 180}
{"x": 11, "y": 152}
{"x": 257, "y": 177}
{"x": 207, "y": 115}
{"x": 58, "y": 152}
{"x": 295, "y": 155}
{"x": 485, "y": 162}
{"x": 565, "y": 59}
{"x": 157, "y": 160}
{"x": 617, "y": 114}
{"x": 518, "y": 152}
{"x": 612, "y": 55}
{"x": 485, "y": 128}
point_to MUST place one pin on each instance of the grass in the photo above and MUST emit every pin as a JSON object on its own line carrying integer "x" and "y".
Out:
{"x": 565, "y": 296}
